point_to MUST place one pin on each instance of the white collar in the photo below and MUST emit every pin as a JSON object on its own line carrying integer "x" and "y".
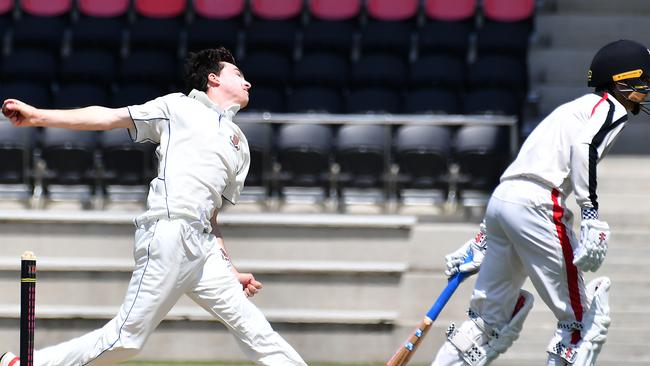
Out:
{"x": 203, "y": 98}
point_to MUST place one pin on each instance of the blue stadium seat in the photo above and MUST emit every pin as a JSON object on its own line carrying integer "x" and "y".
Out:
{"x": 100, "y": 25}
{"x": 374, "y": 100}
{"x": 267, "y": 99}
{"x": 315, "y": 99}
{"x": 432, "y": 100}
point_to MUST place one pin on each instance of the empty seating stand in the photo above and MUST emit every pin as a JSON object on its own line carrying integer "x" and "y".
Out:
{"x": 304, "y": 152}
{"x": 100, "y": 25}
{"x": 15, "y": 162}
{"x": 448, "y": 27}
{"x": 377, "y": 57}
{"x": 332, "y": 26}
{"x": 216, "y": 17}
{"x": 362, "y": 153}
{"x": 423, "y": 154}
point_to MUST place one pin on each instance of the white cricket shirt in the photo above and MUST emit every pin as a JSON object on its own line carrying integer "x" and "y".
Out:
{"x": 203, "y": 156}
{"x": 564, "y": 149}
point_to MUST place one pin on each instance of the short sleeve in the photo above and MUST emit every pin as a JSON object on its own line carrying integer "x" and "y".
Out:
{"x": 149, "y": 120}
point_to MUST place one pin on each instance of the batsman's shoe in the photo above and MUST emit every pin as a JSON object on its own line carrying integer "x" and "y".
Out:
{"x": 9, "y": 359}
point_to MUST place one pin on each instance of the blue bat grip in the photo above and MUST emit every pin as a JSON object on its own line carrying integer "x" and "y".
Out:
{"x": 452, "y": 285}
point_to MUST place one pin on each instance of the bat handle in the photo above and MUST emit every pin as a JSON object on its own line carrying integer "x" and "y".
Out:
{"x": 452, "y": 285}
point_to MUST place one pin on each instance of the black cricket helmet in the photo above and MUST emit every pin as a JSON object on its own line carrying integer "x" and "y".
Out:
{"x": 625, "y": 65}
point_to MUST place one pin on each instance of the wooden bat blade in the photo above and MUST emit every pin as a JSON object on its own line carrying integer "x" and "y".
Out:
{"x": 402, "y": 356}
{"x": 404, "y": 353}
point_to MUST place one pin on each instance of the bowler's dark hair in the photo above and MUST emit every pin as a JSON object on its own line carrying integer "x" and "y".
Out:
{"x": 200, "y": 64}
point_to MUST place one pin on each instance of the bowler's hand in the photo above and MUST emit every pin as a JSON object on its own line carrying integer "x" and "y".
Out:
{"x": 19, "y": 113}
{"x": 250, "y": 285}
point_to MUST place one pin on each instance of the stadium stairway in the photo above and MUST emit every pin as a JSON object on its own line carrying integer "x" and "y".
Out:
{"x": 340, "y": 288}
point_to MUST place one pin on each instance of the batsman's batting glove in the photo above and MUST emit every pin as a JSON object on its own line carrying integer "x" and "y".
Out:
{"x": 455, "y": 262}
{"x": 590, "y": 254}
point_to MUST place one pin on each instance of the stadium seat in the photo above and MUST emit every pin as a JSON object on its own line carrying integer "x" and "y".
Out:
{"x": 36, "y": 94}
{"x": 304, "y": 154}
{"x": 126, "y": 166}
{"x": 321, "y": 69}
{"x": 331, "y": 26}
{"x": 42, "y": 24}
{"x": 77, "y": 95}
{"x": 390, "y": 10}
{"x": 158, "y": 25}
{"x": 69, "y": 158}
{"x": 315, "y": 99}
{"x": 378, "y": 70}
{"x": 389, "y": 27}
{"x": 482, "y": 153}
{"x": 373, "y": 100}
{"x": 257, "y": 187}
{"x": 15, "y": 151}
{"x": 439, "y": 71}
{"x": 6, "y": 14}
{"x": 30, "y": 64}
{"x": 100, "y": 25}
{"x": 423, "y": 153}
{"x": 491, "y": 101}
{"x": 267, "y": 68}
{"x": 15, "y": 162}
{"x": 450, "y": 10}
{"x": 89, "y": 66}
{"x": 362, "y": 154}
{"x": 507, "y": 27}
{"x": 499, "y": 71}
{"x": 508, "y": 10}
{"x": 274, "y": 25}
{"x": 138, "y": 67}
{"x": 128, "y": 94}
{"x": 267, "y": 99}
{"x": 222, "y": 17}
{"x": 447, "y": 28}
{"x": 503, "y": 38}
{"x": 432, "y": 100}
{"x": 160, "y": 9}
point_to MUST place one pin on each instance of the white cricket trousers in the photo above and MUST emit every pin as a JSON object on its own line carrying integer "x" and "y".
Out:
{"x": 529, "y": 235}
{"x": 173, "y": 258}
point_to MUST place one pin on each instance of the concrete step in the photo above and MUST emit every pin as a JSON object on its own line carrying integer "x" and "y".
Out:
{"x": 350, "y": 286}
{"x": 210, "y": 341}
{"x": 305, "y": 237}
{"x": 573, "y": 73}
{"x": 631, "y": 7}
{"x": 552, "y": 95}
{"x": 589, "y": 30}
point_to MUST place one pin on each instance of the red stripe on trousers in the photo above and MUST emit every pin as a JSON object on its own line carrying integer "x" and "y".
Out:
{"x": 14, "y": 361}
{"x": 571, "y": 270}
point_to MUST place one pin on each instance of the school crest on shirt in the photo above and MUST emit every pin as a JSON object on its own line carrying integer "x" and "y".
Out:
{"x": 234, "y": 140}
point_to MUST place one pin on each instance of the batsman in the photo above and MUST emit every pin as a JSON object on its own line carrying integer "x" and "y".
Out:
{"x": 529, "y": 229}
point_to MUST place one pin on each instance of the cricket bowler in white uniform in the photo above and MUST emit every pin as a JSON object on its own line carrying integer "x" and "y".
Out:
{"x": 204, "y": 159}
{"x": 529, "y": 229}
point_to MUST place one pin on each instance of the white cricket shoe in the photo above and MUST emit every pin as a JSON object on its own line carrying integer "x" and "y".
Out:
{"x": 9, "y": 359}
